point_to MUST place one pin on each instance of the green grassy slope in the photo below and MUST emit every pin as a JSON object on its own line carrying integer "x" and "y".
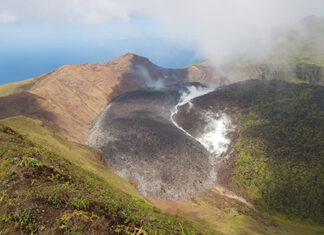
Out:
{"x": 280, "y": 148}
{"x": 16, "y": 87}
{"x": 51, "y": 185}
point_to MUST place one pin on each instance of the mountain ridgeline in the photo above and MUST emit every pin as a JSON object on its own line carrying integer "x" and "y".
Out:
{"x": 70, "y": 97}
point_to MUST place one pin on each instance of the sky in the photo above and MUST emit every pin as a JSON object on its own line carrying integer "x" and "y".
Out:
{"x": 32, "y": 48}
{"x": 38, "y": 36}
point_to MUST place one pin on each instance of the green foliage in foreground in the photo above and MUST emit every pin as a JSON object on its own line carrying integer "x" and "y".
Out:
{"x": 44, "y": 191}
{"x": 280, "y": 159}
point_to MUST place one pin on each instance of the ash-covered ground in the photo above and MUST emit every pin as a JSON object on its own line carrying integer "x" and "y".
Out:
{"x": 141, "y": 140}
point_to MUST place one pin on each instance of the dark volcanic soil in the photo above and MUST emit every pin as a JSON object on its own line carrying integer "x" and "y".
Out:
{"x": 140, "y": 141}
{"x": 192, "y": 120}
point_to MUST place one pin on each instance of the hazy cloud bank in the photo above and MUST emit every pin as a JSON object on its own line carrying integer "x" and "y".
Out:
{"x": 220, "y": 29}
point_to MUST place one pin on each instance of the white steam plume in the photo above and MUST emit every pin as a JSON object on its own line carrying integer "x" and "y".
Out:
{"x": 192, "y": 92}
{"x": 187, "y": 95}
{"x": 215, "y": 134}
{"x": 218, "y": 126}
{"x": 144, "y": 74}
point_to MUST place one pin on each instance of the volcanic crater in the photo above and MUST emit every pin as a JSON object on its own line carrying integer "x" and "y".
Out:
{"x": 140, "y": 139}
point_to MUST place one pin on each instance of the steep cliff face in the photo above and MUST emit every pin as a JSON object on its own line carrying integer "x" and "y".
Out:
{"x": 72, "y": 96}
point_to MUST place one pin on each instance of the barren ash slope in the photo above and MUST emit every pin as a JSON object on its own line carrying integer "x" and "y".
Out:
{"x": 140, "y": 140}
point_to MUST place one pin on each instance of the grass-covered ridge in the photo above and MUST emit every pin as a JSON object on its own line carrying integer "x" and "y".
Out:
{"x": 51, "y": 185}
{"x": 280, "y": 148}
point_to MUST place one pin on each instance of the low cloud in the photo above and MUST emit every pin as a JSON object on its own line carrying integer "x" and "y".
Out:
{"x": 220, "y": 29}
{"x": 6, "y": 18}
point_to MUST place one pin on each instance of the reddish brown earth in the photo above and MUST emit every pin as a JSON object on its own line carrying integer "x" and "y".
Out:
{"x": 213, "y": 207}
{"x": 70, "y": 97}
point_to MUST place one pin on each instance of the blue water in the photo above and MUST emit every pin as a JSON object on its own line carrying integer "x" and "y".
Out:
{"x": 22, "y": 63}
